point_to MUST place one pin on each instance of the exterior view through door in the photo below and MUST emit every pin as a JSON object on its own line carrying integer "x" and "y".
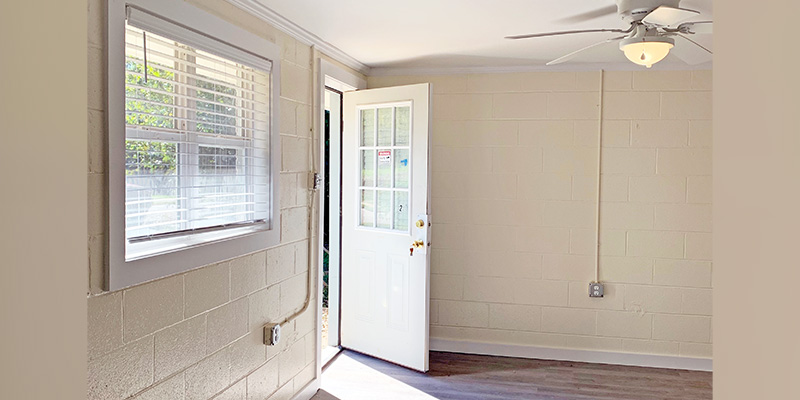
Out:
{"x": 331, "y": 232}
{"x": 385, "y": 224}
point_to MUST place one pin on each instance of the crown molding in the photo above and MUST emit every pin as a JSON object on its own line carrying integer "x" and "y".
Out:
{"x": 411, "y": 71}
{"x": 268, "y": 15}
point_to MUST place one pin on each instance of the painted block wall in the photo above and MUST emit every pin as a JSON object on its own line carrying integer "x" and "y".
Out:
{"x": 514, "y": 164}
{"x": 44, "y": 196}
{"x": 197, "y": 335}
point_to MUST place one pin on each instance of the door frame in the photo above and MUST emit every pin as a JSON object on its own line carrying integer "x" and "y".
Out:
{"x": 338, "y": 78}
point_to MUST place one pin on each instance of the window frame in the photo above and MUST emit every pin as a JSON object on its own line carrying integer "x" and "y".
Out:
{"x": 209, "y": 247}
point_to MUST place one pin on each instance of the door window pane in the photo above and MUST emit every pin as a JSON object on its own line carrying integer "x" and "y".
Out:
{"x": 368, "y": 127}
{"x": 385, "y": 168}
{"x": 384, "y": 206}
{"x": 401, "y": 161}
{"x": 401, "y": 210}
{"x": 402, "y": 123}
{"x": 368, "y": 208}
{"x": 384, "y": 126}
{"x": 367, "y": 167}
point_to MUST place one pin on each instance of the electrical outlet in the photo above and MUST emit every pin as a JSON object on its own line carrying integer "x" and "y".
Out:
{"x": 272, "y": 334}
{"x": 596, "y": 289}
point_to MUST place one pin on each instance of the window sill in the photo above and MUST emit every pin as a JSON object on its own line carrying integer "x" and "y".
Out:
{"x": 150, "y": 248}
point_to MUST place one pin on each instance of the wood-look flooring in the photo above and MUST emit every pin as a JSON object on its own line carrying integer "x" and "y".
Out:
{"x": 354, "y": 376}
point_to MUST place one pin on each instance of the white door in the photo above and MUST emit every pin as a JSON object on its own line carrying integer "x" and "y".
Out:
{"x": 385, "y": 201}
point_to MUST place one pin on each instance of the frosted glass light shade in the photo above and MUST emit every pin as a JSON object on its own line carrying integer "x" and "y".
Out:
{"x": 646, "y": 53}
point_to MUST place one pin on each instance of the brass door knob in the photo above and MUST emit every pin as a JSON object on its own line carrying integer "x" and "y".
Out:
{"x": 420, "y": 223}
{"x": 417, "y": 244}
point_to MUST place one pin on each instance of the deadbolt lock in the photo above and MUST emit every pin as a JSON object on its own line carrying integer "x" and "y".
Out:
{"x": 420, "y": 238}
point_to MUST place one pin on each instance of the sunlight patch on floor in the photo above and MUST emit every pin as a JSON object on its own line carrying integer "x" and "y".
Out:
{"x": 345, "y": 379}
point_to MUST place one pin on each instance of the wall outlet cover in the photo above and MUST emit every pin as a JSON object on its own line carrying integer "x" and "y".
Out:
{"x": 272, "y": 334}
{"x": 596, "y": 289}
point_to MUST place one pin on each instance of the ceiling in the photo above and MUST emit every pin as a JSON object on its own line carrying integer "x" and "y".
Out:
{"x": 453, "y": 34}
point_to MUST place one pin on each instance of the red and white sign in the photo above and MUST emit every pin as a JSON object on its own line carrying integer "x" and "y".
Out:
{"x": 384, "y": 157}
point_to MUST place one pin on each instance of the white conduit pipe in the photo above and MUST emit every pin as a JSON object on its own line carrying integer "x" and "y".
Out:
{"x": 599, "y": 159}
{"x": 311, "y": 198}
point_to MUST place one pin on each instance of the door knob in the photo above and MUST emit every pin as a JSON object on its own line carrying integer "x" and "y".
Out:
{"x": 415, "y": 245}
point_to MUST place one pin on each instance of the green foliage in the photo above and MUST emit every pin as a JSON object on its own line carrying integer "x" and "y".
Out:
{"x": 214, "y": 159}
{"x": 325, "y": 279}
{"x": 149, "y": 103}
{"x": 208, "y": 116}
{"x": 150, "y": 158}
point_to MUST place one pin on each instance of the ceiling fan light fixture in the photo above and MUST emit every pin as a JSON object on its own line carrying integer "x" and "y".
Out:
{"x": 646, "y": 50}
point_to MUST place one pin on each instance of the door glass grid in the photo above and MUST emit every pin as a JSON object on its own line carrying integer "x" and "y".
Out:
{"x": 384, "y": 167}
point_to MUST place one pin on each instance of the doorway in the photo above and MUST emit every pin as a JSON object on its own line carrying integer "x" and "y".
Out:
{"x": 376, "y": 180}
{"x": 331, "y": 223}
{"x": 332, "y": 82}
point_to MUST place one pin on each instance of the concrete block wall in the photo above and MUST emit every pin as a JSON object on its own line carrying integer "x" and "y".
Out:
{"x": 197, "y": 335}
{"x": 514, "y": 164}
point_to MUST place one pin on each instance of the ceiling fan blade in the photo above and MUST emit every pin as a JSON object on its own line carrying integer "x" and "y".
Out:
{"x": 590, "y": 15}
{"x": 698, "y": 27}
{"x": 667, "y": 16}
{"x": 697, "y": 44}
{"x": 535, "y": 35}
{"x": 691, "y": 52}
{"x": 572, "y": 55}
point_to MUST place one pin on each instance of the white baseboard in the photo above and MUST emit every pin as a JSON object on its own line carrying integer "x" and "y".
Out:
{"x": 590, "y": 356}
{"x": 309, "y": 391}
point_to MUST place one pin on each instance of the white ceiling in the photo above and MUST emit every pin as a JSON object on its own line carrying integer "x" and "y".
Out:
{"x": 447, "y": 34}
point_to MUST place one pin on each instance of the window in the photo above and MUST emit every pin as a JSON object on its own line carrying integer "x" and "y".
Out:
{"x": 384, "y": 148}
{"x": 196, "y": 141}
{"x": 192, "y": 147}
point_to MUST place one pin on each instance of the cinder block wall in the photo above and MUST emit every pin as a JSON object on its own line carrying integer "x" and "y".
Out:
{"x": 514, "y": 163}
{"x": 197, "y": 334}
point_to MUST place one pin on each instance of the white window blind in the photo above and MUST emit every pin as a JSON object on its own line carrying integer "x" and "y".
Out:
{"x": 197, "y": 120}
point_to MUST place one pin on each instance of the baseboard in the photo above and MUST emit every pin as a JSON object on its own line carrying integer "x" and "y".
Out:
{"x": 308, "y": 391}
{"x": 590, "y": 356}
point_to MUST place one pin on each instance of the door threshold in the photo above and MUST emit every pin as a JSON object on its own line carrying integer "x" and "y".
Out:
{"x": 329, "y": 353}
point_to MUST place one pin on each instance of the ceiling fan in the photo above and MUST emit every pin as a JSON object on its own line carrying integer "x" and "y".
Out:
{"x": 654, "y": 27}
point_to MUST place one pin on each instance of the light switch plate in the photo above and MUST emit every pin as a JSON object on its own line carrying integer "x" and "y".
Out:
{"x": 596, "y": 289}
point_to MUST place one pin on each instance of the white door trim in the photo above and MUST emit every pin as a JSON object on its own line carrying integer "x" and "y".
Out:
{"x": 330, "y": 75}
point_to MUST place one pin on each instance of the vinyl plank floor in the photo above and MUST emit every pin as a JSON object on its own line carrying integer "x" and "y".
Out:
{"x": 354, "y": 376}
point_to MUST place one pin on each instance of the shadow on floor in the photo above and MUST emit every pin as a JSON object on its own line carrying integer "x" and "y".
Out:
{"x": 323, "y": 395}
{"x": 354, "y": 376}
